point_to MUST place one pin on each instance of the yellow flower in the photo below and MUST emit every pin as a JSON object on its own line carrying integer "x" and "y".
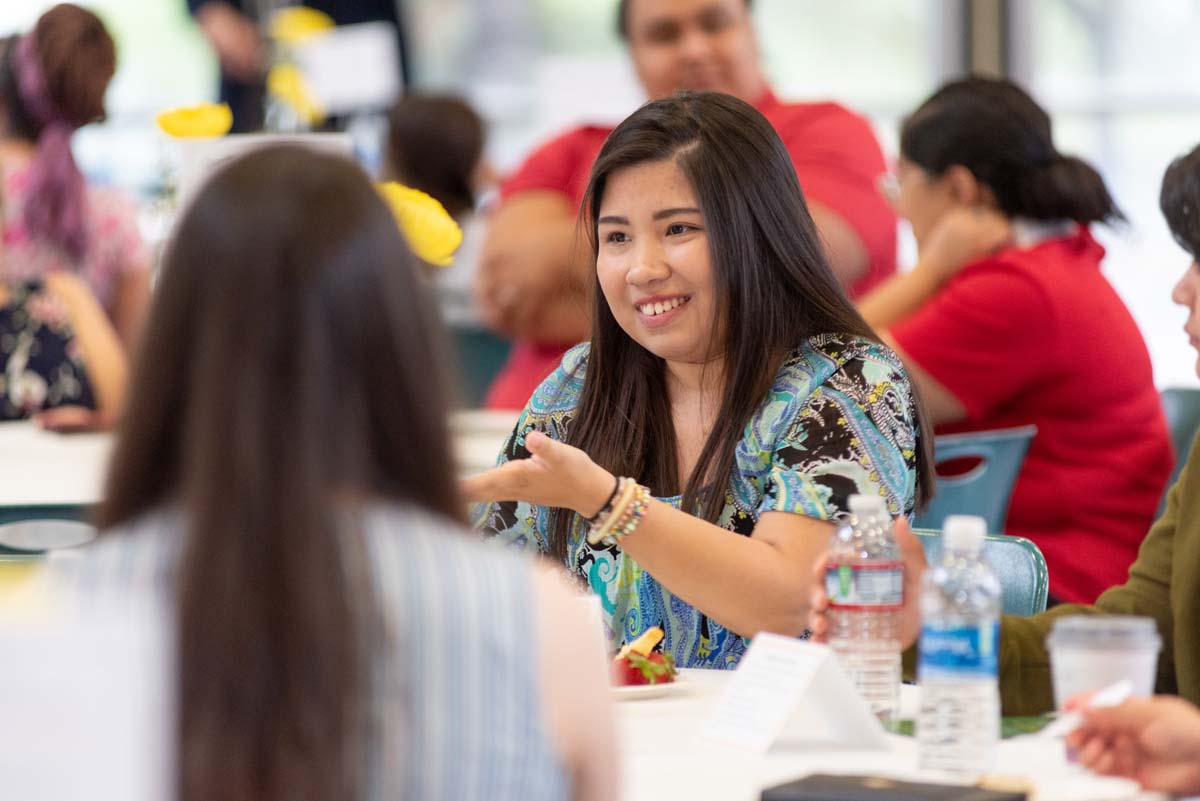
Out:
{"x": 295, "y": 24}
{"x": 432, "y": 233}
{"x": 204, "y": 120}
{"x": 287, "y": 84}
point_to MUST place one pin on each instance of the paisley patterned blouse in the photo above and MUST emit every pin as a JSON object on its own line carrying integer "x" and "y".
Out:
{"x": 840, "y": 419}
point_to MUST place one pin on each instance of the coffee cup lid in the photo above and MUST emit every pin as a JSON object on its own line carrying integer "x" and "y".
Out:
{"x": 1115, "y": 632}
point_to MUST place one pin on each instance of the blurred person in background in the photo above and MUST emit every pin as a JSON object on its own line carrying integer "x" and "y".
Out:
{"x": 60, "y": 359}
{"x": 283, "y": 482}
{"x": 52, "y": 81}
{"x": 1007, "y": 320}
{"x": 435, "y": 143}
{"x": 235, "y": 30}
{"x": 533, "y": 276}
{"x": 1164, "y": 581}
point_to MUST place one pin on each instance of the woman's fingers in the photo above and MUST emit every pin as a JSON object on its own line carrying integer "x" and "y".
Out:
{"x": 65, "y": 419}
{"x": 508, "y": 482}
{"x": 912, "y": 553}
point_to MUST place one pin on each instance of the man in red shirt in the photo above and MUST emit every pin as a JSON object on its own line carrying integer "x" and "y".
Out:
{"x": 535, "y": 272}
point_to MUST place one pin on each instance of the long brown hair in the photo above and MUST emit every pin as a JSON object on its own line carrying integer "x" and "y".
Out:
{"x": 774, "y": 289}
{"x": 288, "y": 371}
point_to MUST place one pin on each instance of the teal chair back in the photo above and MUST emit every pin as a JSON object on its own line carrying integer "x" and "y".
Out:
{"x": 479, "y": 357}
{"x": 986, "y": 488}
{"x": 1017, "y": 562}
{"x": 1182, "y": 408}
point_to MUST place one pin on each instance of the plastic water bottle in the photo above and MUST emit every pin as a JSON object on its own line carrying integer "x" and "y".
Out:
{"x": 959, "y": 722}
{"x": 865, "y": 584}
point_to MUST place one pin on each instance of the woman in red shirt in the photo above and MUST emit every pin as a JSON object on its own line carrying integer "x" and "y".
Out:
{"x": 1007, "y": 320}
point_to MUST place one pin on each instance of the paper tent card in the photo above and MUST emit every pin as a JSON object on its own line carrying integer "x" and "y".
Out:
{"x": 789, "y": 689}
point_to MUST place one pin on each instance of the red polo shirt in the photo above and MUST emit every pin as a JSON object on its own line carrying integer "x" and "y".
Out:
{"x": 837, "y": 160}
{"x": 1039, "y": 336}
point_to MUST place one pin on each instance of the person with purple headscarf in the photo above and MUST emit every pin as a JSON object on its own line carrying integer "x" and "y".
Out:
{"x": 52, "y": 82}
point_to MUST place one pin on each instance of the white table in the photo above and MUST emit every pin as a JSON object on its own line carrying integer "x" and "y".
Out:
{"x": 664, "y": 755}
{"x": 40, "y": 468}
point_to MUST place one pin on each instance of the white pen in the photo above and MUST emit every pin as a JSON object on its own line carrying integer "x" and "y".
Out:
{"x": 1114, "y": 694}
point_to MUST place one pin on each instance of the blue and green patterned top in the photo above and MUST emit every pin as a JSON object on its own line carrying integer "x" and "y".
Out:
{"x": 840, "y": 419}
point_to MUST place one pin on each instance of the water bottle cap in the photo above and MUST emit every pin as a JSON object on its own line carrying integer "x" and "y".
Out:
{"x": 864, "y": 505}
{"x": 964, "y": 532}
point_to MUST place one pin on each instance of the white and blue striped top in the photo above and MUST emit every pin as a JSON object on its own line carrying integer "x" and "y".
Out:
{"x": 456, "y": 711}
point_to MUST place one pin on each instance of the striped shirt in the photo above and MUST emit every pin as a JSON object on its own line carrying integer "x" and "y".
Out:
{"x": 456, "y": 712}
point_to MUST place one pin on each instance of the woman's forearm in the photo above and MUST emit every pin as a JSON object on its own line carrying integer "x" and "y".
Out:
{"x": 747, "y": 584}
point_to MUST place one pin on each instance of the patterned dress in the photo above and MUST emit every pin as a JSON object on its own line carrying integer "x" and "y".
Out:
{"x": 41, "y": 365}
{"x": 838, "y": 420}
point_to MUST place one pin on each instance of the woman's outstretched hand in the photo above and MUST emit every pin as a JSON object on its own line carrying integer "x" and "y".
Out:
{"x": 913, "y": 556}
{"x": 555, "y": 474}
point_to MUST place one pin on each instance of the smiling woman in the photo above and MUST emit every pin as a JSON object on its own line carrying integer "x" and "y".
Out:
{"x": 728, "y": 372}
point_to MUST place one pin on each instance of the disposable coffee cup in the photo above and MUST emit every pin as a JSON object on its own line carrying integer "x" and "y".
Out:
{"x": 1090, "y": 652}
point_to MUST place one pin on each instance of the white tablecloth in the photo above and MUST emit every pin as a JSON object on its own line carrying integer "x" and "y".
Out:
{"x": 664, "y": 755}
{"x": 40, "y": 468}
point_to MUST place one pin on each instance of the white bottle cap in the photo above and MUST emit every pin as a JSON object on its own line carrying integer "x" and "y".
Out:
{"x": 964, "y": 533}
{"x": 867, "y": 505}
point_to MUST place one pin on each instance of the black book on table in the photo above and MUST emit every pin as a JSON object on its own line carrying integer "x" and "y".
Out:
{"x": 821, "y": 787}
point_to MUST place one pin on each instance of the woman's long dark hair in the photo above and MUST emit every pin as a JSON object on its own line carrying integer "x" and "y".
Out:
{"x": 285, "y": 376}
{"x": 997, "y": 131}
{"x": 773, "y": 284}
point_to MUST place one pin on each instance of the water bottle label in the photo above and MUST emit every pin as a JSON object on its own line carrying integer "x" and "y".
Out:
{"x": 874, "y": 587}
{"x": 960, "y": 649}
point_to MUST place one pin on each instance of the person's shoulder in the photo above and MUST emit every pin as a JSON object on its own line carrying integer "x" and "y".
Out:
{"x": 558, "y": 163}
{"x": 832, "y": 354}
{"x": 580, "y": 142}
{"x": 586, "y": 134}
{"x": 823, "y": 114}
{"x": 1010, "y": 274}
{"x": 399, "y": 533}
{"x": 562, "y": 389}
{"x": 134, "y": 556}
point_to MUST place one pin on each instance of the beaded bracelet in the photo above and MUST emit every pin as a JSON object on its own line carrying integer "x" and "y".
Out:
{"x": 621, "y": 515}
{"x": 611, "y": 497}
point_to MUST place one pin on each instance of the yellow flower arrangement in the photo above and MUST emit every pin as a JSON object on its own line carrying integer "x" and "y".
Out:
{"x": 298, "y": 23}
{"x": 431, "y": 232}
{"x": 285, "y": 82}
{"x": 194, "y": 122}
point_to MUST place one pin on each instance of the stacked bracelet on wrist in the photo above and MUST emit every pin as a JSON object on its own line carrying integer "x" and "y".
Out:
{"x": 621, "y": 515}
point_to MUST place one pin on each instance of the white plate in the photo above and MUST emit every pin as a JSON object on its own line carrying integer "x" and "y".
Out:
{"x": 641, "y": 692}
{"x": 46, "y": 535}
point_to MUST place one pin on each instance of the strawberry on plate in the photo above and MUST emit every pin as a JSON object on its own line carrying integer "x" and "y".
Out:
{"x": 634, "y": 669}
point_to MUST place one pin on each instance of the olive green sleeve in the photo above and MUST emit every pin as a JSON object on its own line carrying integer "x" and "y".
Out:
{"x": 1025, "y": 680}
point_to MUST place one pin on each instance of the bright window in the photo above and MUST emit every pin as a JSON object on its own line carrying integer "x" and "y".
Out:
{"x": 1121, "y": 80}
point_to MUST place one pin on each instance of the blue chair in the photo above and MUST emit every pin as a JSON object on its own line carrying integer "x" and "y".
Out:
{"x": 1182, "y": 407}
{"x": 1018, "y": 563}
{"x": 986, "y": 488}
{"x": 479, "y": 357}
